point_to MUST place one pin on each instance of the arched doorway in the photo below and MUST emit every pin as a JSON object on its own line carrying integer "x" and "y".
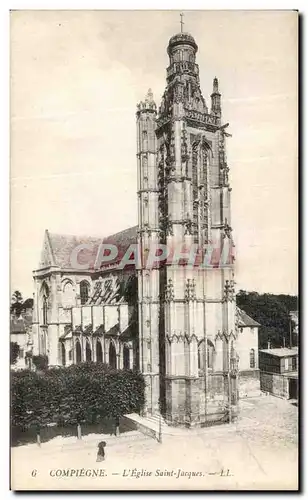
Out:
{"x": 112, "y": 356}
{"x": 88, "y": 352}
{"x": 99, "y": 352}
{"x": 126, "y": 362}
{"x": 63, "y": 354}
{"x": 78, "y": 352}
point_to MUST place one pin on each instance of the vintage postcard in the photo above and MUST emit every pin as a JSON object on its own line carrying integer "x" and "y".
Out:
{"x": 154, "y": 297}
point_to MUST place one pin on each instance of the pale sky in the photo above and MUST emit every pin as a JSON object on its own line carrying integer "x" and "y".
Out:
{"x": 76, "y": 77}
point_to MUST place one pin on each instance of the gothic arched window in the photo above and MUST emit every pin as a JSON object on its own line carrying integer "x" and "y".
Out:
{"x": 99, "y": 352}
{"x": 201, "y": 355}
{"x": 126, "y": 363}
{"x": 45, "y": 295}
{"x": 112, "y": 356}
{"x": 78, "y": 352}
{"x": 84, "y": 292}
{"x": 68, "y": 295}
{"x": 210, "y": 355}
{"x": 45, "y": 310}
{"x": 252, "y": 358}
{"x": 63, "y": 354}
{"x": 88, "y": 352}
{"x": 144, "y": 140}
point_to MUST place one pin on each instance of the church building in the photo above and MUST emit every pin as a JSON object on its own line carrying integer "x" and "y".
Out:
{"x": 177, "y": 323}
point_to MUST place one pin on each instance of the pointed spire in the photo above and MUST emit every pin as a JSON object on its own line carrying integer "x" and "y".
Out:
{"x": 216, "y": 98}
{"x": 148, "y": 104}
{"x": 215, "y": 86}
{"x": 149, "y": 96}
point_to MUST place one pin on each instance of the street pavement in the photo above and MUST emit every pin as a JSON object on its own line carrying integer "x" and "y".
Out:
{"x": 259, "y": 452}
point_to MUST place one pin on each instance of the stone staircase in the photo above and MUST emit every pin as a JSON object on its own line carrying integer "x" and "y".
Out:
{"x": 153, "y": 426}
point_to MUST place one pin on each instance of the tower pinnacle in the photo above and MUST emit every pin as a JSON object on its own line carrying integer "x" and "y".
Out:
{"x": 149, "y": 96}
{"x": 215, "y": 85}
{"x": 148, "y": 105}
{"x": 181, "y": 22}
{"x": 216, "y": 98}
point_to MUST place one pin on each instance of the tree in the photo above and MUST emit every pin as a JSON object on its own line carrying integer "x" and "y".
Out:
{"x": 40, "y": 362}
{"x": 14, "y": 351}
{"x": 27, "y": 304}
{"x": 77, "y": 394}
{"x": 272, "y": 312}
{"x": 16, "y": 303}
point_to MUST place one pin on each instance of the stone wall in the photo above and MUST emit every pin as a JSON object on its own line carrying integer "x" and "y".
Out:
{"x": 249, "y": 383}
{"x": 189, "y": 403}
{"x": 275, "y": 384}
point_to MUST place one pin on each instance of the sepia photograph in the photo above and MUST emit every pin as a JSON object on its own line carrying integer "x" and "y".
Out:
{"x": 154, "y": 325}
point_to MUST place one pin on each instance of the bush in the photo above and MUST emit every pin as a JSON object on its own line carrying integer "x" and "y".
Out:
{"x": 14, "y": 352}
{"x": 40, "y": 362}
{"x": 84, "y": 393}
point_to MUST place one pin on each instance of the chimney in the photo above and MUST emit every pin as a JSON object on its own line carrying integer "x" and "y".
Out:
{"x": 284, "y": 342}
{"x": 269, "y": 344}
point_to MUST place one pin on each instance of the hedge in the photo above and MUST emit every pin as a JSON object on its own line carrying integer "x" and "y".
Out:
{"x": 84, "y": 393}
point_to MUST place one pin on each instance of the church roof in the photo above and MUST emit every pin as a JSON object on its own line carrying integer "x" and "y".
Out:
{"x": 58, "y": 248}
{"x": 244, "y": 319}
{"x": 181, "y": 39}
{"x": 281, "y": 352}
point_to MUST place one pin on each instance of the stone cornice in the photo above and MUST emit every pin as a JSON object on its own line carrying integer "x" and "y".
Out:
{"x": 148, "y": 190}
{"x": 148, "y": 151}
{"x": 180, "y": 377}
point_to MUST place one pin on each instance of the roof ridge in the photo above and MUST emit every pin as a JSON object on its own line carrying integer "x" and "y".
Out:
{"x": 50, "y": 247}
{"x": 70, "y": 235}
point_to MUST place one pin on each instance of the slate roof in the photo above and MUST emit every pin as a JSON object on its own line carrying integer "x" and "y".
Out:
{"x": 67, "y": 332}
{"x": 129, "y": 331}
{"x": 99, "y": 331}
{"x": 61, "y": 247}
{"x": 244, "y": 319}
{"x": 114, "y": 330}
{"x": 281, "y": 352}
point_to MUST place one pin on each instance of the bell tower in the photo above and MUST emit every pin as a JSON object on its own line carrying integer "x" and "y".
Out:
{"x": 187, "y": 329}
{"x": 194, "y": 215}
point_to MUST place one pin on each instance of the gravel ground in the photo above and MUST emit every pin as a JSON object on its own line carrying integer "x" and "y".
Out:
{"x": 259, "y": 452}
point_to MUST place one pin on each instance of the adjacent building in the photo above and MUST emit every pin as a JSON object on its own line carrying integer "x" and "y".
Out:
{"x": 21, "y": 334}
{"x": 279, "y": 371}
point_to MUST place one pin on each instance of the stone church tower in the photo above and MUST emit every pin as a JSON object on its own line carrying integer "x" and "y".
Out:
{"x": 172, "y": 316}
{"x": 187, "y": 311}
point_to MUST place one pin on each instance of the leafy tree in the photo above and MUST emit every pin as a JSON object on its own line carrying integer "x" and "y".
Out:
{"x": 16, "y": 303}
{"x": 14, "y": 351}
{"x": 40, "y": 362}
{"x": 28, "y": 304}
{"x": 272, "y": 312}
{"x": 76, "y": 394}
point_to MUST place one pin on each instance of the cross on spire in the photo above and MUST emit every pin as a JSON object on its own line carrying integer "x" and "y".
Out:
{"x": 182, "y": 22}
